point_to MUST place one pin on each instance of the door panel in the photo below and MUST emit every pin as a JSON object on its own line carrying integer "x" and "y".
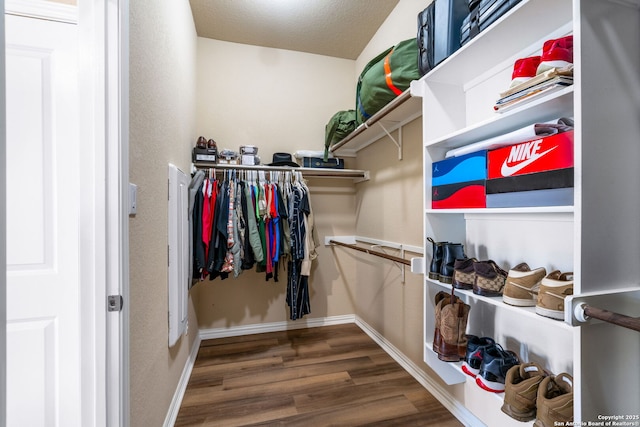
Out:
{"x": 43, "y": 287}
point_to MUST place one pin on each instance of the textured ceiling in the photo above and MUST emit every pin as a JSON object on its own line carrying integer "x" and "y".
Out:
{"x": 339, "y": 28}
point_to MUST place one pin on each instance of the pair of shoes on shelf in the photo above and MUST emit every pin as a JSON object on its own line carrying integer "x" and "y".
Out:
{"x": 449, "y": 337}
{"x": 484, "y": 277}
{"x": 444, "y": 256}
{"x": 531, "y": 393}
{"x": 556, "y": 53}
{"x": 488, "y": 362}
{"x": 553, "y": 290}
{"x": 527, "y": 288}
{"x": 203, "y": 143}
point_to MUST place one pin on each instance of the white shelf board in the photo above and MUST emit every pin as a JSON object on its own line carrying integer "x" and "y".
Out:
{"x": 546, "y": 108}
{"x": 503, "y": 39}
{"x": 497, "y": 302}
{"x": 499, "y": 211}
{"x": 402, "y": 110}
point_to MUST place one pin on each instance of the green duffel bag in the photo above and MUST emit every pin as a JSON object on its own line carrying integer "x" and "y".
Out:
{"x": 339, "y": 126}
{"x": 385, "y": 77}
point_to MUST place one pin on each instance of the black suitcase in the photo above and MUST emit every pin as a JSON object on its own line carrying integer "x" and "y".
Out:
{"x": 485, "y": 13}
{"x": 439, "y": 31}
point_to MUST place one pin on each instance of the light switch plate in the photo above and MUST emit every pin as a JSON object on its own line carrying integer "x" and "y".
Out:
{"x": 133, "y": 199}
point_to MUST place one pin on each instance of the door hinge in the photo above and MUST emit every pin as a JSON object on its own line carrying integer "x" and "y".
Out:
{"x": 114, "y": 303}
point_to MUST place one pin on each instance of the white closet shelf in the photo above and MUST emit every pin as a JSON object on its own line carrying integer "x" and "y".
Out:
{"x": 402, "y": 110}
{"x": 543, "y": 109}
{"x": 497, "y": 301}
{"x": 502, "y": 211}
{"x": 355, "y": 174}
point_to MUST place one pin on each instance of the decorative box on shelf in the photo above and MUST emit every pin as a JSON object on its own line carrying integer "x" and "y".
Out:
{"x": 318, "y": 162}
{"x": 204, "y": 155}
{"x": 459, "y": 182}
{"x": 532, "y": 173}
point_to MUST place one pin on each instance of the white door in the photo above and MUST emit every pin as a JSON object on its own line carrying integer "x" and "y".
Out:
{"x": 43, "y": 181}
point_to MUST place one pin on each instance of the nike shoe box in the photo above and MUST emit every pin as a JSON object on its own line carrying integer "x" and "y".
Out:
{"x": 533, "y": 173}
{"x": 459, "y": 182}
{"x": 470, "y": 194}
{"x": 533, "y": 156}
{"x": 559, "y": 178}
{"x": 521, "y": 199}
{"x": 469, "y": 167}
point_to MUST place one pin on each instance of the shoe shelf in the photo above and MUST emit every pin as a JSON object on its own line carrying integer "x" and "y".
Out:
{"x": 498, "y": 211}
{"x": 543, "y": 109}
{"x": 458, "y": 98}
{"x": 476, "y": 396}
{"x": 525, "y": 312}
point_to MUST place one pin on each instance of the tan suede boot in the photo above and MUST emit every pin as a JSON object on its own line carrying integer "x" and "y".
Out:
{"x": 437, "y": 338}
{"x": 453, "y": 325}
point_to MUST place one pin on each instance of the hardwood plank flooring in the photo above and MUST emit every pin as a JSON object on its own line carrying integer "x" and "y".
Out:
{"x": 328, "y": 376}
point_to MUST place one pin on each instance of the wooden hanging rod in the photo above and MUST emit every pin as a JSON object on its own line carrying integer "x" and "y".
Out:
{"x": 370, "y": 252}
{"x": 611, "y": 317}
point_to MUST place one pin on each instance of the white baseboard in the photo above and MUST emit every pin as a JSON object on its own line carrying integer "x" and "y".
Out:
{"x": 445, "y": 398}
{"x": 176, "y": 402}
{"x": 458, "y": 410}
{"x": 234, "y": 331}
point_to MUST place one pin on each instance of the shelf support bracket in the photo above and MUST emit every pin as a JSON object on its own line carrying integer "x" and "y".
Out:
{"x": 397, "y": 142}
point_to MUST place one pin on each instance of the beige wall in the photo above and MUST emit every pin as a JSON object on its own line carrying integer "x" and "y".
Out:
{"x": 278, "y": 100}
{"x": 162, "y": 130}
{"x": 402, "y": 24}
{"x": 389, "y": 208}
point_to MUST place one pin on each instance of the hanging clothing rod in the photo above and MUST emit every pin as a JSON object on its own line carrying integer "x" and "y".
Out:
{"x": 370, "y": 252}
{"x": 310, "y": 172}
{"x": 610, "y": 317}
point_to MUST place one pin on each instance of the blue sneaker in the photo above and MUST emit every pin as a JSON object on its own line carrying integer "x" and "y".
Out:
{"x": 475, "y": 352}
{"x": 496, "y": 361}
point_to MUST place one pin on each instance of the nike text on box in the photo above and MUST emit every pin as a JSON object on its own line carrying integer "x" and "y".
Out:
{"x": 459, "y": 195}
{"x": 469, "y": 167}
{"x": 538, "y": 155}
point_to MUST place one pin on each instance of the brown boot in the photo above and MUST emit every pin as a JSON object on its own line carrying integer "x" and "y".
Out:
{"x": 453, "y": 324}
{"x": 437, "y": 338}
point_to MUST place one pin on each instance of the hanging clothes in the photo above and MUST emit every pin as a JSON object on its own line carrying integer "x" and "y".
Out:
{"x": 240, "y": 224}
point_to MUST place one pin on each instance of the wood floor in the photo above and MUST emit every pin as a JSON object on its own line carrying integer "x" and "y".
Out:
{"x": 328, "y": 376}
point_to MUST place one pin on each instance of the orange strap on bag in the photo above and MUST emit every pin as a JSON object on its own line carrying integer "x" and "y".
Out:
{"x": 387, "y": 74}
